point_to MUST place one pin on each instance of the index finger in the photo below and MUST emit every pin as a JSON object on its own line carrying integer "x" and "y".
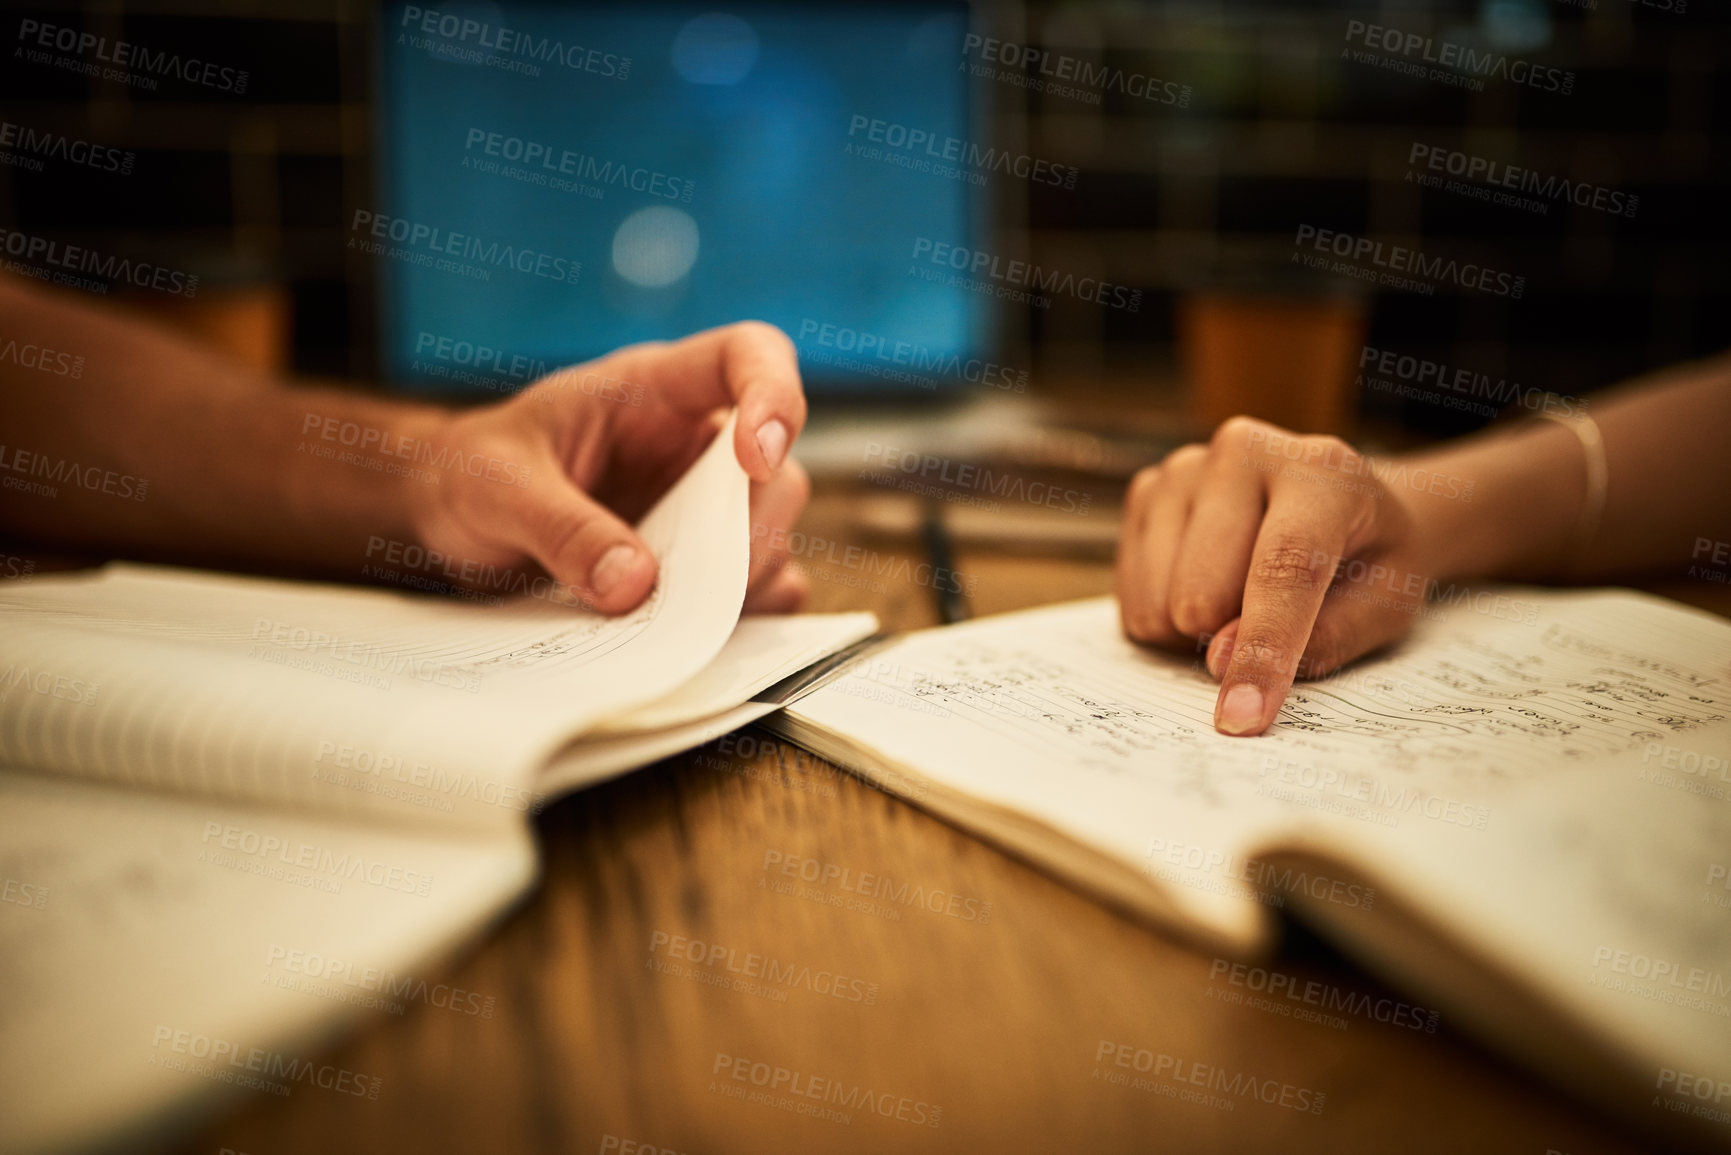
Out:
{"x": 1301, "y": 540}
{"x": 751, "y": 365}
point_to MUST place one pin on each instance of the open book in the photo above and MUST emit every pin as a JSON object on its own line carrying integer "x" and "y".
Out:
{"x": 235, "y": 812}
{"x": 1522, "y": 815}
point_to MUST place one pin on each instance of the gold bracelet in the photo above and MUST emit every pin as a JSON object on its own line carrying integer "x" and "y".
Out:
{"x": 1586, "y": 430}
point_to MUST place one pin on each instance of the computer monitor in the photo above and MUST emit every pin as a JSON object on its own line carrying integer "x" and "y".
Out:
{"x": 556, "y": 180}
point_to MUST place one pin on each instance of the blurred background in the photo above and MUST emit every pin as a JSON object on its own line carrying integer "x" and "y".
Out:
{"x": 1023, "y": 248}
{"x": 1172, "y": 152}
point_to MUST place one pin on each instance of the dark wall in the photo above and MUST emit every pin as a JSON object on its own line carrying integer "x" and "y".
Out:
{"x": 1280, "y": 128}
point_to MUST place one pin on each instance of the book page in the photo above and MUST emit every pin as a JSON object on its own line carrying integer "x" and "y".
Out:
{"x": 357, "y": 700}
{"x": 1587, "y": 929}
{"x": 160, "y": 950}
{"x": 599, "y": 758}
{"x": 1053, "y": 714}
{"x": 763, "y": 650}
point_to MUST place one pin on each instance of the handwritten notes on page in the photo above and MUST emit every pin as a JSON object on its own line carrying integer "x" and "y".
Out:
{"x": 1052, "y": 713}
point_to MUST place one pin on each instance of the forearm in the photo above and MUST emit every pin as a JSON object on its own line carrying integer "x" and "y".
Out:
{"x": 163, "y": 447}
{"x": 1666, "y": 439}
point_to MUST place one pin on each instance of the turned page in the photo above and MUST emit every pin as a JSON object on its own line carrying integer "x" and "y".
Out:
{"x": 1051, "y": 716}
{"x": 357, "y": 701}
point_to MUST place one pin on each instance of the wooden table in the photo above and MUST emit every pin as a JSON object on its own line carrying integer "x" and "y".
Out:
{"x": 988, "y": 1026}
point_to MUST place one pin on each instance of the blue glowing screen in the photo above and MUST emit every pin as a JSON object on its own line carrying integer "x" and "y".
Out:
{"x": 557, "y": 180}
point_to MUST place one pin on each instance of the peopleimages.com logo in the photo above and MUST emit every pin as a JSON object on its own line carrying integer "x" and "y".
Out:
{"x": 1057, "y": 73}
{"x": 23, "y": 146}
{"x": 19, "y": 465}
{"x": 226, "y": 1061}
{"x": 925, "y": 148}
{"x": 1459, "y": 64}
{"x": 469, "y": 41}
{"x": 981, "y": 271}
{"x": 1498, "y": 175}
{"x": 59, "y": 257}
{"x": 1426, "y": 375}
{"x": 429, "y": 246}
{"x": 472, "y": 363}
{"x": 1398, "y": 266}
{"x": 28, "y": 355}
{"x": 125, "y": 61}
{"x": 554, "y": 166}
{"x": 863, "y": 351}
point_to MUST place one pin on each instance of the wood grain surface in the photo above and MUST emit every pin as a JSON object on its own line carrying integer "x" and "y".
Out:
{"x": 974, "y": 1019}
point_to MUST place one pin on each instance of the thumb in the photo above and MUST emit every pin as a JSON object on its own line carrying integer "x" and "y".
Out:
{"x": 1219, "y": 654}
{"x": 1346, "y": 629}
{"x": 583, "y": 544}
{"x": 1353, "y": 621}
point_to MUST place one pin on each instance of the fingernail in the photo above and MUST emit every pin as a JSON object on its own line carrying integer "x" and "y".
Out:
{"x": 614, "y": 564}
{"x": 1241, "y": 712}
{"x": 772, "y": 440}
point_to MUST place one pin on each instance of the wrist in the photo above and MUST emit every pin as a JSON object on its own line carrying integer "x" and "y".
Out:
{"x": 364, "y": 476}
{"x": 1511, "y": 507}
{"x": 421, "y": 437}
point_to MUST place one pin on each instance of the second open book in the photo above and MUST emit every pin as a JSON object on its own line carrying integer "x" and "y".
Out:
{"x": 1522, "y": 814}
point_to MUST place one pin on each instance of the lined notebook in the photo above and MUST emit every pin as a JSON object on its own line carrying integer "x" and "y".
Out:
{"x": 234, "y": 812}
{"x": 1522, "y": 815}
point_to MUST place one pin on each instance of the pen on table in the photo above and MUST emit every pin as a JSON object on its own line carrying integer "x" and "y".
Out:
{"x": 946, "y": 584}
